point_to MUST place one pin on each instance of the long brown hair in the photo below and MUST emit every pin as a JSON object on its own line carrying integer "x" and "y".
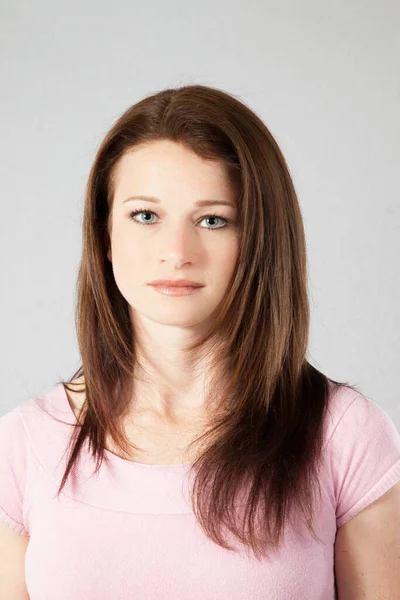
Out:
{"x": 272, "y": 401}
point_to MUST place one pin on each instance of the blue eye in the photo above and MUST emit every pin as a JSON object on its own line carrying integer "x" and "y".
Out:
{"x": 149, "y": 212}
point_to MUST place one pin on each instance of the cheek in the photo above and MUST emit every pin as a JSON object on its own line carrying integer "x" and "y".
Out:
{"x": 128, "y": 259}
{"x": 227, "y": 258}
{"x": 127, "y": 248}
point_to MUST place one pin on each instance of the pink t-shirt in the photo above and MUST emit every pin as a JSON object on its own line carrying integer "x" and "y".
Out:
{"x": 129, "y": 532}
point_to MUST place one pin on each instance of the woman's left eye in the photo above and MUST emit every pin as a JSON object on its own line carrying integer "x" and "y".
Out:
{"x": 149, "y": 212}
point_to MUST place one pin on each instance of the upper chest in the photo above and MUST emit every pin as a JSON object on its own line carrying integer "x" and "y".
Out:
{"x": 156, "y": 441}
{"x": 160, "y": 443}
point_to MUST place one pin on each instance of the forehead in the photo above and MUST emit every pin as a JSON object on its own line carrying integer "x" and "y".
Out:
{"x": 147, "y": 168}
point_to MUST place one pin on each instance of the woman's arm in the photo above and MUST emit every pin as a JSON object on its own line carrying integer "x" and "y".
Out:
{"x": 367, "y": 551}
{"x": 12, "y": 562}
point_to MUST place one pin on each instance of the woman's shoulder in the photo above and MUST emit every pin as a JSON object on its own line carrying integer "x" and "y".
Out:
{"x": 362, "y": 451}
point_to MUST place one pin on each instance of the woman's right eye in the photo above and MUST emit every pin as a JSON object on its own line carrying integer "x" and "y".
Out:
{"x": 135, "y": 212}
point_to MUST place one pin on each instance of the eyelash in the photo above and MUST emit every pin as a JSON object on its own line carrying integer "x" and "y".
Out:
{"x": 136, "y": 212}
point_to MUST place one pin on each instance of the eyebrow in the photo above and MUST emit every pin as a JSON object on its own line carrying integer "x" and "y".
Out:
{"x": 198, "y": 203}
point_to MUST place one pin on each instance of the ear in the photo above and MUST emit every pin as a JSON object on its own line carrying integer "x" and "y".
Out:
{"x": 109, "y": 255}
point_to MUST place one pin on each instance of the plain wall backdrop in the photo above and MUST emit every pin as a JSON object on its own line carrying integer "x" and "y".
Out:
{"x": 325, "y": 78}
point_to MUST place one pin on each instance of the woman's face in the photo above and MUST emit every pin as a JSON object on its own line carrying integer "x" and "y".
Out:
{"x": 179, "y": 240}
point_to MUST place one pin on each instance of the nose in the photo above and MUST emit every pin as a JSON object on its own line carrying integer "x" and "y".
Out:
{"x": 179, "y": 243}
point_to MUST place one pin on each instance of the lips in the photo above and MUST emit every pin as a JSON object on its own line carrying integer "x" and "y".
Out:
{"x": 175, "y": 283}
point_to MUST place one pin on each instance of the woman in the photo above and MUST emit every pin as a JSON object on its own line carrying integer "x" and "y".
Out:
{"x": 208, "y": 457}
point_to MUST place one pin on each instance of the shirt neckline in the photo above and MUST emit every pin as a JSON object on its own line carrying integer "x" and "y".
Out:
{"x": 119, "y": 485}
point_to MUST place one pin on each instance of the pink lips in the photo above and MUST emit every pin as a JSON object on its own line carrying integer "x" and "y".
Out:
{"x": 176, "y": 287}
{"x": 168, "y": 283}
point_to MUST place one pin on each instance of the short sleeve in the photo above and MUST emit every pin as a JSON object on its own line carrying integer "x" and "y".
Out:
{"x": 365, "y": 457}
{"x": 13, "y": 470}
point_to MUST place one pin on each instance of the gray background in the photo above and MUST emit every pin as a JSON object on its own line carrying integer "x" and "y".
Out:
{"x": 324, "y": 77}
